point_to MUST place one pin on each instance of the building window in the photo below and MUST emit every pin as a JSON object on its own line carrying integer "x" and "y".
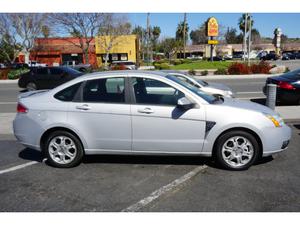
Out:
{"x": 124, "y": 57}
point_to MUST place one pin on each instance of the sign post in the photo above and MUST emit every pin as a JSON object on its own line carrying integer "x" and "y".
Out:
{"x": 212, "y": 28}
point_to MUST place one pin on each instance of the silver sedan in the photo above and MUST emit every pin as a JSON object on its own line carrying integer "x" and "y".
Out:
{"x": 145, "y": 113}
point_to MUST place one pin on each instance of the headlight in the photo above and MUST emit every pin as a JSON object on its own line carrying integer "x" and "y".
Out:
{"x": 276, "y": 120}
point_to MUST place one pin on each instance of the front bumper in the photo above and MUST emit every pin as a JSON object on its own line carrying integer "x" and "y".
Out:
{"x": 276, "y": 139}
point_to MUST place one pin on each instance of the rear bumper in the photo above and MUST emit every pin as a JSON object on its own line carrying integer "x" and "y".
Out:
{"x": 27, "y": 131}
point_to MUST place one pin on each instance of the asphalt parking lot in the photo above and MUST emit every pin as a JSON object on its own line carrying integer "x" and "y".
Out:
{"x": 117, "y": 183}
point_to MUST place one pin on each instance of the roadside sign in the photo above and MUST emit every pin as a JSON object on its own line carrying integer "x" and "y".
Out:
{"x": 213, "y": 42}
{"x": 212, "y": 27}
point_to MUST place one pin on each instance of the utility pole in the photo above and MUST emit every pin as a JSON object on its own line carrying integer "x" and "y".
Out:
{"x": 184, "y": 38}
{"x": 148, "y": 38}
{"x": 245, "y": 37}
{"x": 249, "y": 39}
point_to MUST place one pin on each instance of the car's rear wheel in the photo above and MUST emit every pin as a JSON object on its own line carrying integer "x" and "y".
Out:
{"x": 63, "y": 149}
{"x": 31, "y": 86}
{"x": 237, "y": 150}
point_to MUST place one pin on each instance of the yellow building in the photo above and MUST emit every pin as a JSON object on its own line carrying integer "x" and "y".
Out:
{"x": 120, "y": 48}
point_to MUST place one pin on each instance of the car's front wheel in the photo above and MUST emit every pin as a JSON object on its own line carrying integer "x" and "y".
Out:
{"x": 63, "y": 149}
{"x": 236, "y": 150}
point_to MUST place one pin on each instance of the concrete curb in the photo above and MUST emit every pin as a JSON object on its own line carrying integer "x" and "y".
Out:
{"x": 9, "y": 81}
{"x": 229, "y": 77}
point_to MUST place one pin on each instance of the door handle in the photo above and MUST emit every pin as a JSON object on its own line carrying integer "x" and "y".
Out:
{"x": 83, "y": 107}
{"x": 146, "y": 110}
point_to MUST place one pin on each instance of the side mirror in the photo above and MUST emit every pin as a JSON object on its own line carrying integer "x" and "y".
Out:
{"x": 184, "y": 103}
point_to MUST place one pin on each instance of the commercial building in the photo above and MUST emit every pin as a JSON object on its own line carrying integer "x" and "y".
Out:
{"x": 56, "y": 51}
{"x": 117, "y": 48}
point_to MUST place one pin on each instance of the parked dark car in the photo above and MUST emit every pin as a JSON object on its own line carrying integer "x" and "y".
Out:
{"x": 270, "y": 56}
{"x": 288, "y": 87}
{"x": 285, "y": 56}
{"x": 47, "y": 77}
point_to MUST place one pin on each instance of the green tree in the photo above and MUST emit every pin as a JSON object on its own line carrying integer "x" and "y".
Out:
{"x": 242, "y": 23}
{"x": 199, "y": 36}
{"x": 231, "y": 36}
{"x": 155, "y": 35}
{"x": 169, "y": 46}
{"x": 255, "y": 36}
{"x": 180, "y": 31}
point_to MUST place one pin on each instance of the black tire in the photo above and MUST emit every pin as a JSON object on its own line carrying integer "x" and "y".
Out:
{"x": 78, "y": 153}
{"x": 31, "y": 86}
{"x": 224, "y": 138}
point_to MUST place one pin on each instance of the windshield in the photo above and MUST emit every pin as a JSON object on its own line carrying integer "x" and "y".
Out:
{"x": 202, "y": 82}
{"x": 209, "y": 98}
{"x": 293, "y": 75}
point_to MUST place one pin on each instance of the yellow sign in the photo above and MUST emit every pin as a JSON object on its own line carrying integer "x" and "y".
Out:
{"x": 213, "y": 42}
{"x": 212, "y": 27}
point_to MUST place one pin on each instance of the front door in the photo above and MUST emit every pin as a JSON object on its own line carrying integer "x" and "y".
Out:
{"x": 103, "y": 115}
{"x": 158, "y": 125}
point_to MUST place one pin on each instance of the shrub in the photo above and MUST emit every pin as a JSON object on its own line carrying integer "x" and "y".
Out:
{"x": 238, "y": 68}
{"x": 220, "y": 71}
{"x": 164, "y": 66}
{"x": 262, "y": 67}
{"x": 204, "y": 73}
{"x": 177, "y": 62}
{"x": 15, "y": 74}
{"x": 287, "y": 70}
{"x": 192, "y": 72}
{"x": 119, "y": 67}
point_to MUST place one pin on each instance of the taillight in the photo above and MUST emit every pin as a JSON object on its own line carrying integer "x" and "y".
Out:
{"x": 21, "y": 108}
{"x": 285, "y": 85}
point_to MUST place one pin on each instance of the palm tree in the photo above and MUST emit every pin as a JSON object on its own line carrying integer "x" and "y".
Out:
{"x": 242, "y": 23}
{"x": 181, "y": 33}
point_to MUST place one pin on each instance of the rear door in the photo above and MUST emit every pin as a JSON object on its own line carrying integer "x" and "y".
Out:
{"x": 103, "y": 115}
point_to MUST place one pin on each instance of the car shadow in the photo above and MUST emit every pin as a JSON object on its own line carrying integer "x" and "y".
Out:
{"x": 31, "y": 154}
{"x": 155, "y": 160}
{"x": 34, "y": 155}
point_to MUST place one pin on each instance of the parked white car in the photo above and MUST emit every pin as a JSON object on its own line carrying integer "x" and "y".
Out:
{"x": 129, "y": 112}
{"x": 216, "y": 89}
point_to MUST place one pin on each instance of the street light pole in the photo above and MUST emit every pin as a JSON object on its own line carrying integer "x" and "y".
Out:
{"x": 184, "y": 38}
{"x": 245, "y": 37}
{"x": 148, "y": 38}
{"x": 249, "y": 40}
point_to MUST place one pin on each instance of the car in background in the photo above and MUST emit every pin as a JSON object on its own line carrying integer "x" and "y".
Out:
{"x": 285, "y": 56}
{"x": 81, "y": 67}
{"x": 123, "y": 65}
{"x": 145, "y": 113}
{"x": 46, "y": 77}
{"x": 270, "y": 56}
{"x": 288, "y": 87}
{"x": 216, "y": 89}
{"x": 33, "y": 63}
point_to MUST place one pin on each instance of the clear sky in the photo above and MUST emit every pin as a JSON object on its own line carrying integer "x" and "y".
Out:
{"x": 264, "y": 22}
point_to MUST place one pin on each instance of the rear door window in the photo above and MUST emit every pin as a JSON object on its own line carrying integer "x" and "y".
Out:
{"x": 105, "y": 90}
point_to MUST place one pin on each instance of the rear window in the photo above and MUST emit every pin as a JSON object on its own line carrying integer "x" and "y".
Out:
{"x": 293, "y": 75}
{"x": 67, "y": 94}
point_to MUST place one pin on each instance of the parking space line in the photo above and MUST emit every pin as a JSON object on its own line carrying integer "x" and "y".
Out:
{"x": 163, "y": 190}
{"x": 18, "y": 167}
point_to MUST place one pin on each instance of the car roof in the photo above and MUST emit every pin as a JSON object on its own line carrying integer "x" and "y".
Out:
{"x": 123, "y": 72}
